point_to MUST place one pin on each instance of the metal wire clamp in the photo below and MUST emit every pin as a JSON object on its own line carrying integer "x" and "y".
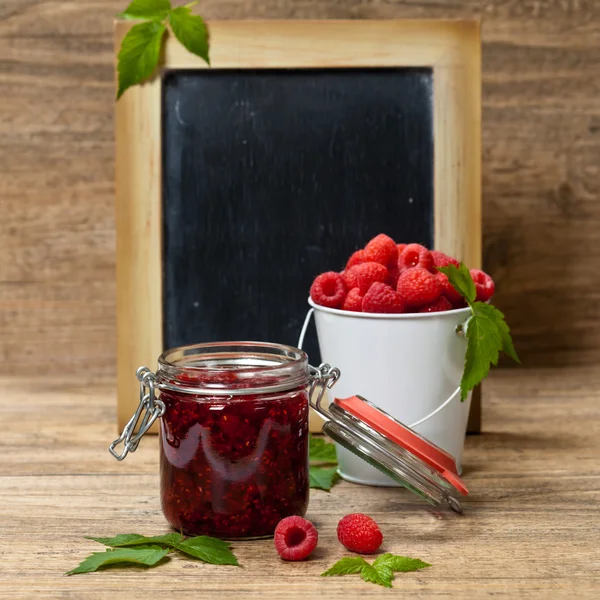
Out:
{"x": 149, "y": 409}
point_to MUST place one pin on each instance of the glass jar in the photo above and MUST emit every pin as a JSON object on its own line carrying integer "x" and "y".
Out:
{"x": 234, "y": 437}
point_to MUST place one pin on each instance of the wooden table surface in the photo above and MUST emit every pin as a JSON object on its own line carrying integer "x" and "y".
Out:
{"x": 531, "y": 527}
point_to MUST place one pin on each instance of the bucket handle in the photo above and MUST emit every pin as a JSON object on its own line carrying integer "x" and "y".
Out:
{"x": 309, "y": 315}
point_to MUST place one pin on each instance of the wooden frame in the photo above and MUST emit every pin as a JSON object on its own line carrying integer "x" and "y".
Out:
{"x": 451, "y": 49}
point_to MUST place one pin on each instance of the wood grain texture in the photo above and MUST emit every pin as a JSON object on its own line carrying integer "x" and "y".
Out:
{"x": 530, "y": 527}
{"x": 541, "y": 174}
{"x": 139, "y": 237}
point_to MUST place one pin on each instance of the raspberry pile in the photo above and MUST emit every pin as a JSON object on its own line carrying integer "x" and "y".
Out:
{"x": 386, "y": 277}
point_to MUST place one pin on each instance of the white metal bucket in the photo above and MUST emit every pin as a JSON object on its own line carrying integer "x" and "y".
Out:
{"x": 410, "y": 365}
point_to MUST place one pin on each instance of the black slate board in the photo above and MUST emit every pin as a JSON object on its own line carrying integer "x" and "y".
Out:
{"x": 273, "y": 176}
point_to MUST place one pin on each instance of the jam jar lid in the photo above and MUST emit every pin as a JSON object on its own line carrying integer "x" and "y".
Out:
{"x": 232, "y": 368}
{"x": 387, "y": 444}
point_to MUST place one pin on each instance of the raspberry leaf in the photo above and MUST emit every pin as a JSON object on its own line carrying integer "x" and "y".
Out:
{"x": 207, "y": 541}
{"x": 486, "y": 331}
{"x": 461, "y": 281}
{"x": 191, "y": 31}
{"x": 381, "y": 576}
{"x": 146, "y": 9}
{"x": 497, "y": 317}
{"x": 209, "y": 550}
{"x": 322, "y": 451}
{"x": 143, "y": 555}
{"x": 399, "y": 564}
{"x": 139, "y": 54}
{"x": 134, "y": 539}
{"x": 346, "y": 566}
{"x": 380, "y": 572}
{"x": 487, "y": 334}
{"x": 323, "y": 454}
{"x": 322, "y": 478}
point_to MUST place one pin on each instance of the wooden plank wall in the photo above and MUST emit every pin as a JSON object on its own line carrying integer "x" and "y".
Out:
{"x": 541, "y": 177}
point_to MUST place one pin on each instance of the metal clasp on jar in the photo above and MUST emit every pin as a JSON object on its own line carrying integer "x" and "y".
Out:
{"x": 149, "y": 409}
{"x": 324, "y": 377}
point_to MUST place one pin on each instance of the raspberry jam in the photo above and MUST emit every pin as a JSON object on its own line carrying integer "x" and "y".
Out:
{"x": 233, "y": 438}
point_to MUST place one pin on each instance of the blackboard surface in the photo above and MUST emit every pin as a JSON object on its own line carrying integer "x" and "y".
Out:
{"x": 273, "y": 176}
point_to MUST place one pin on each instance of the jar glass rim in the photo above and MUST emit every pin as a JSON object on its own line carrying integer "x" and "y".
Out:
{"x": 233, "y": 368}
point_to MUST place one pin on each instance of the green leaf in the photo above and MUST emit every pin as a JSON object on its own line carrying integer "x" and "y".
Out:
{"x": 322, "y": 478}
{"x": 346, "y": 566}
{"x": 205, "y": 540}
{"x": 486, "y": 331}
{"x": 461, "y": 280}
{"x": 146, "y": 555}
{"x": 399, "y": 564}
{"x": 147, "y": 9}
{"x": 191, "y": 31}
{"x": 487, "y": 334}
{"x": 134, "y": 539}
{"x": 322, "y": 451}
{"x": 382, "y": 576}
{"x": 380, "y": 572}
{"x": 208, "y": 549}
{"x": 492, "y": 313}
{"x": 139, "y": 55}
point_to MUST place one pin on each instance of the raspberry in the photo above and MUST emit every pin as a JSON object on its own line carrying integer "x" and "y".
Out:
{"x": 367, "y": 274}
{"x": 353, "y": 300}
{"x": 295, "y": 538}
{"x": 381, "y": 298}
{"x": 443, "y": 260}
{"x": 349, "y": 277}
{"x": 328, "y": 289}
{"x": 356, "y": 259}
{"x": 440, "y": 305}
{"x": 418, "y": 287}
{"x": 392, "y": 278}
{"x": 359, "y": 533}
{"x": 447, "y": 290}
{"x": 415, "y": 255}
{"x": 484, "y": 285}
{"x": 382, "y": 249}
{"x": 401, "y": 248}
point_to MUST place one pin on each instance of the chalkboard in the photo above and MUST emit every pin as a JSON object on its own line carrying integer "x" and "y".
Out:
{"x": 271, "y": 177}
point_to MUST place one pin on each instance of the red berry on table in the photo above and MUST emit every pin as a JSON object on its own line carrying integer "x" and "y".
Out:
{"x": 356, "y": 259}
{"x": 381, "y": 298}
{"x": 359, "y": 533}
{"x": 295, "y": 538}
{"x": 448, "y": 290}
{"x": 367, "y": 274}
{"x": 415, "y": 255}
{"x": 353, "y": 300}
{"x": 440, "y": 305}
{"x": 484, "y": 285}
{"x": 382, "y": 249}
{"x": 443, "y": 260}
{"x": 329, "y": 290}
{"x": 418, "y": 287}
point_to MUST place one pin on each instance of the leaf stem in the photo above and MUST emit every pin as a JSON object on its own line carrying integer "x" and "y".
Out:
{"x": 192, "y": 4}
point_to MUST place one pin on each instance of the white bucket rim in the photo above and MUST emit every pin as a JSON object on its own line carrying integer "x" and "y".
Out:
{"x": 389, "y": 316}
